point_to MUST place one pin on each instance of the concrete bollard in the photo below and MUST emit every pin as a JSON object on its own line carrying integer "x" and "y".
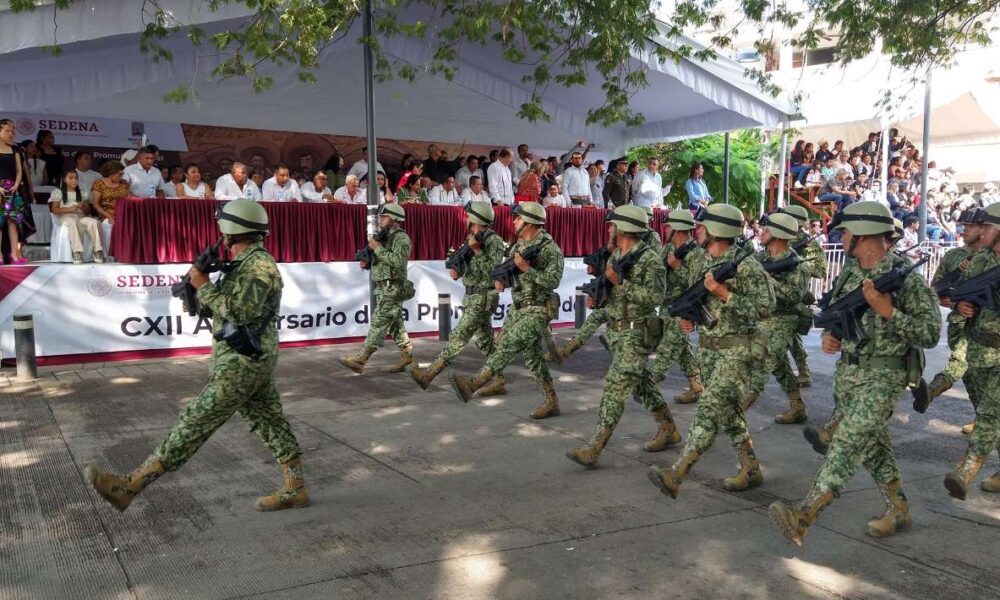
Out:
{"x": 24, "y": 347}
{"x": 444, "y": 316}
{"x": 581, "y": 307}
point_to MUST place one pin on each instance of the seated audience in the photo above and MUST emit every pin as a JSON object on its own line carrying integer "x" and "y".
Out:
{"x": 236, "y": 184}
{"x": 384, "y": 193}
{"x": 84, "y": 173}
{"x": 108, "y": 190}
{"x": 281, "y": 187}
{"x": 72, "y": 210}
{"x": 554, "y": 198}
{"x": 475, "y": 191}
{"x": 350, "y": 192}
{"x": 143, "y": 179}
{"x": 193, "y": 188}
{"x": 317, "y": 190}
{"x": 470, "y": 169}
{"x": 413, "y": 191}
{"x": 446, "y": 193}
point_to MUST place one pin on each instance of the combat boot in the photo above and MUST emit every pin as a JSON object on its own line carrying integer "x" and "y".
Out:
{"x": 121, "y": 490}
{"x": 564, "y": 352}
{"x": 591, "y": 453}
{"x": 667, "y": 434}
{"x": 749, "y": 399}
{"x": 821, "y": 437}
{"x": 796, "y": 412}
{"x": 292, "y": 495}
{"x": 968, "y": 428}
{"x": 805, "y": 375}
{"x": 496, "y": 387}
{"x": 922, "y": 397}
{"x": 465, "y": 387}
{"x": 424, "y": 377}
{"x": 405, "y": 359}
{"x": 957, "y": 482}
{"x": 991, "y": 484}
{"x": 356, "y": 362}
{"x": 669, "y": 480}
{"x": 549, "y": 408}
{"x": 691, "y": 395}
{"x": 795, "y": 522}
{"x": 897, "y": 511}
{"x": 749, "y": 475}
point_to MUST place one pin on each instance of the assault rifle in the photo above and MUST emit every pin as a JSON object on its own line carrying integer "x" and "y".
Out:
{"x": 598, "y": 259}
{"x": 206, "y": 262}
{"x": 980, "y": 290}
{"x": 599, "y": 287}
{"x": 944, "y": 285}
{"x": 366, "y": 254}
{"x": 463, "y": 256}
{"x": 682, "y": 252}
{"x": 508, "y": 271}
{"x": 777, "y": 267}
{"x": 690, "y": 305}
{"x": 801, "y": 245}
{"x": 843, "y": 317}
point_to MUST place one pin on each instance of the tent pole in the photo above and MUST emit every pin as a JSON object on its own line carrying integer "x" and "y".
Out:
{"x": 725, "y": 172}
{"x": 781, "y": 168}
{"x": 922, "y": 209}
{"x": 884, "y": 176}
{"x": 373, "y": 191}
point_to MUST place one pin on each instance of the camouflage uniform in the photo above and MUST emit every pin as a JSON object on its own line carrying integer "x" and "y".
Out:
{"x": 480, "y": 302}
{"x": 389, "y": 278}
{"x": 652, "y": 239}
{"x": 675, "y": 347}
{"x": 814, "y": 265}
{"x": 957, "y": 364}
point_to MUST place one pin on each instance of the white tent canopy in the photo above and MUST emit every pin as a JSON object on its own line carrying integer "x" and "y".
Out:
{"x": 101, "y": 73}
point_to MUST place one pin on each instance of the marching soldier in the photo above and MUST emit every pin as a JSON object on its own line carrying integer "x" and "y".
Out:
{"x": 481, "y": 300}
{"x": 983, "y": 375}
{"x": 815, "y": 266}
{"x": 392, "y": 288}
{"x": 726, "y": 351}
{"x": 534, "y": 307}
{"x": 634, "y": 295}
{"x": 870, "y": 376}
{"x": 244, "y": 304}
{"x": 651, "y": 238}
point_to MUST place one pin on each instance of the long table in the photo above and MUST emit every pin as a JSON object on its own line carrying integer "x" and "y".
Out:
{"x": 159, "y": 231}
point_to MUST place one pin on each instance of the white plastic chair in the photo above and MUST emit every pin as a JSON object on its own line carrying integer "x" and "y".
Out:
{"x": 106, "y": 239}
{"x": 60, "y": 249}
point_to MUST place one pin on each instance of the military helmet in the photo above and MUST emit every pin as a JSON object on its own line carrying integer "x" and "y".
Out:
{"x": 393, "y": 211}
{"x": 993, "y": 215}
{"x": 721, "y": 220}
{"x": 241, "y": 216}
{"x": 480, "y": 213}
{"x": 781, "y": 225}
{"x": 630, "y": 219}
{"x": 531, "y": 212}
{"x": 649, "y": 212}
{"x": 799, "y": 212}
{"x": 897, "y": 229}
{"x": 973, "y": 216}
{"x": 866, "y": 218}
{"x": 679, "y": 219}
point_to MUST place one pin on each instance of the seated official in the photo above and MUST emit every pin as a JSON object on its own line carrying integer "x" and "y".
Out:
{"x": 193, "y": 187}
{"x": 281, "y": 187}
{"x": 316, "y": 190}
{"x": 554, "y": 198}
{"x": 351, "y": 192}
{"x": 446, "y": 193}
{"x": 108, "y": 190}
{"x": 236, "y": 184}
{"x": 72, "y": 211}
{"x": 475, "y": 191}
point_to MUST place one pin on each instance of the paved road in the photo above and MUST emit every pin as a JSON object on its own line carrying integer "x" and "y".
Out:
{"x": 416, "y": 495}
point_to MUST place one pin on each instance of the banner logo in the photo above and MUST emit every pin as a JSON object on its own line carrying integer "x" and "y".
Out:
{"x": 99, "y": 285}
{"x": 25, "y": 127}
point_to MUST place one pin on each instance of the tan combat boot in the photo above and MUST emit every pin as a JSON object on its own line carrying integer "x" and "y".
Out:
{"x": 991, "y": 484}
{"x": 749, "y": 399}
{"x": 121, "y": 490}
{"x": 667, "y": 434}
{"x": 550, "y": 407}
{"x": 923, "y": 396}
{"x": 968, "y": 428}
{"x": 356, "y": 362}
{"x": 795, "y": 522}
{"x": 669, "y": 480}
{"x": 564, "y": 352}
{"x": 749, "y": 475}
{"x": 405, "y": 359}
{"x": 292, "y": 495}
{"x": 465, "y": 387}
{"x": 821, "y": 437}
{"x": 796, "y": 412}
{"x": 589, "y": 454}
{"x": 496, "y": 387}
{"x": 897, "y": 511}
{"x": 957, "y": 482}
{"x": 690, "y": 395}
{"x": 424, "y": 377}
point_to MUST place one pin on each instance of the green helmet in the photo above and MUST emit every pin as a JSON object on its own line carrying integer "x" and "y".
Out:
{"x": 679, "y": 219}
{"x": 993, "y": 215}
{"x": 393, "y": 211}
{"x": 897, "y": 229}
{"x": 531, "y": 212}
{"x": 721, "y": 220}
{"x": 781, "y": 225}
{"x": 649, "y": 212}
{"x": 799, "y": 212}
{"x": 630, "y": 219}
{"x": 866, "y": 218}
{"x": 480, "y": 213}
{"x": 241, "y": 216}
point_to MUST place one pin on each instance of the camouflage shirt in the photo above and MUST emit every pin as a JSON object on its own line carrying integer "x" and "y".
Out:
{"x": 652, "y": 239}
{"x": 951, "y": 260}
{"x": 751, "y": 297}
{"x": 392, "y": 256}
{"x": 544, "y": 275}
{"x": 788, "y": 285}
{"x": 482, "y": 264}
{"x": 813, "y": 258}
{"x": 642, "y": 291}
{"x": 982, "y": 352}
{"x": 679, "y": 280}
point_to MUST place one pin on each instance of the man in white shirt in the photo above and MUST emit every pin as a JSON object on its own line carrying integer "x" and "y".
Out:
{"x": 647, "y": 185}
{"x": 236, "y": 184}
{"x": 501, "y": 185}
{"x": 351, "y": 192}
{"x": 84, "y": 174}
{"x": 360, "y": 168}
{"x": 470, "y": 169}
{"x": 281, "y": 187}
{"x": 445, "y": 193}
{"x": 475, "y": 191}
{"x": 576, "y": 181}
{"x": 521, "y": 164}
{"x": 317, "y": 191}
{"x": 596, "y": 185}
{"x": 143, "y": 179}
{"x": 554, "y": 198}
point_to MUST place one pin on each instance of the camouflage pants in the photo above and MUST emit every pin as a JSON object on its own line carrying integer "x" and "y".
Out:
{"x": 799, "y": 354}
{"x": 237, "y": 384}
{"x": 984, "y": 384}
{"x": 627, "y": 376}
{"x": 595, "y": 319}
{"x": 726, "y": 376}
{"x": 674, "y": 347}
{"x": 388, "y": 319}
{"x": 865, "y": 398}
{"x": 476, "y": 322}
{"x": 521, "y": 334}
{"x": 778, "y": 334}
{"x": 957, "y": 363}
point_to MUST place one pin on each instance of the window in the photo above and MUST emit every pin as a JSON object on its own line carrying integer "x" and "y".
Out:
{"x": 811, "y": 58}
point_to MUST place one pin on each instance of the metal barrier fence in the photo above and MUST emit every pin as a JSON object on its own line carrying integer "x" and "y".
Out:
{"x": 835, "y": 263}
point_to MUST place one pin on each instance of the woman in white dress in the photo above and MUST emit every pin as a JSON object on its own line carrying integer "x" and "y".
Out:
{"x": 193, "y": 188}
{"x": 72, "y": 209}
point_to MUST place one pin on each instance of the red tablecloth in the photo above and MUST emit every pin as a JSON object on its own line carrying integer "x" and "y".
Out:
{"x": 154, "y": 231}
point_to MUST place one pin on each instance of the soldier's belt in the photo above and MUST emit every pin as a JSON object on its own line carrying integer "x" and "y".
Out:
{"x": 872, "y": 361}
{"x": 984, "y": 338}
{"x": 485, "y": 289}
{"x": 785, "y": 313}
{"x": 725, "y": 343}
{"x": 384, "y": 283}
{"x": 519, "y": 304}
{"x": 626, "y": 325}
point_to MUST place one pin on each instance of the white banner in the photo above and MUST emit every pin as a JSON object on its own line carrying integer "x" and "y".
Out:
{"x": 85, "y": 309}
{"x": 99, "y": 132}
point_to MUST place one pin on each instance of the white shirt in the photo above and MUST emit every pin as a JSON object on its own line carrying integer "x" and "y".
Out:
{"x": 360, "y": 168}
{"x": 468, "y": 196}
{"x": 226, "y": 188}
{"x": 309, "y": 193}
{"x": 273, "y": 192}
{"x": 170, "y": 189}
{"x": 463, "y": 175}
{"x": 597, "y": 190}
{"x": 518, "y": 168}
{"x": 87, "y": 179}
{"x": 360, "y": 195}
{"x": 142, "y": 183}
{"x": 558, "y": 200}
{"x": 55, "y": 197}
{"x": 501, "y": 186}
{"x": 439, "y": 195}
{"x": 576, "y": 182}
{"x": 646, "y": 190}
{"x": 198, "y": 192}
